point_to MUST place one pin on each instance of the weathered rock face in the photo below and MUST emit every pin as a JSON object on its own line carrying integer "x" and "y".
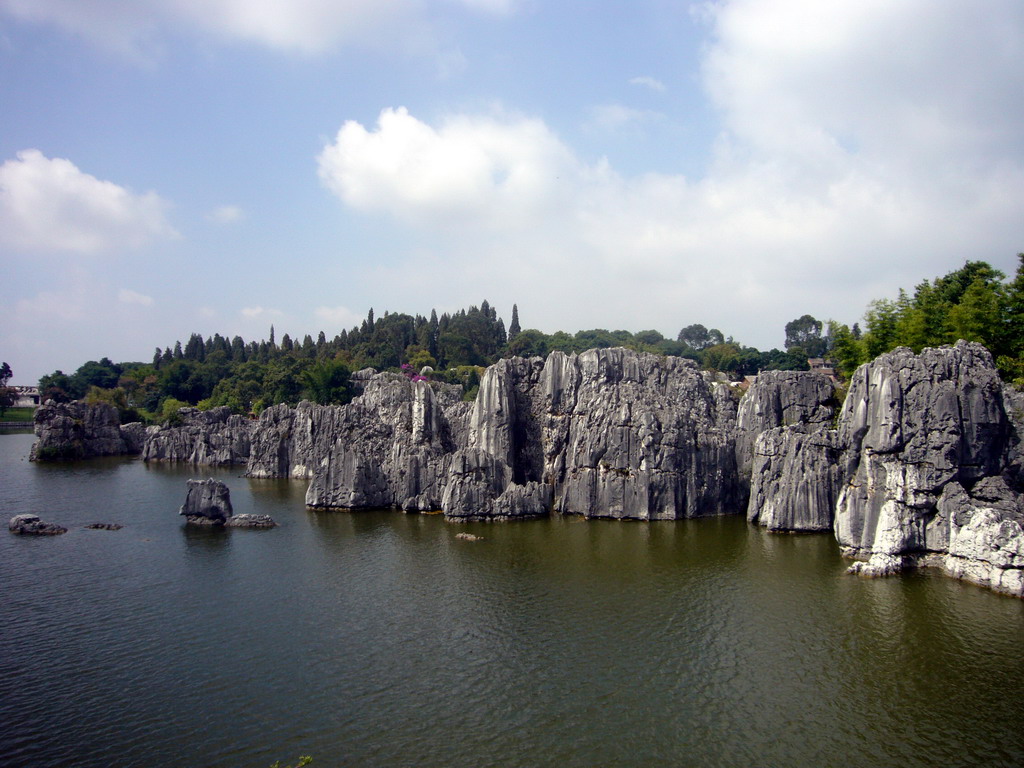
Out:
{"x": 215, "y": 437}
{"x": 611, "y": 433}
{"x": 31, "y": 525}
{"x": 985, "y": 538}
{"x": 912, "y": 424}
{"x": 134, "y": 436}
{"x": 796, "y": 476}
{"x": 391, "y": 447}
{"x": 605, "y": 433}
{"x": 781, "y": 399}
{"x": 77, "y": 430}
{"x": 207, "y": 502}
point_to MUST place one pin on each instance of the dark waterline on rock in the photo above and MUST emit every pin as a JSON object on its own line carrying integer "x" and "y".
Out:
{"x": 378, "y": 638}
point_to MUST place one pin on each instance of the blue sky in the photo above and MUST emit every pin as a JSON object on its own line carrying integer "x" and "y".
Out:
{"x": 179, "y": 166}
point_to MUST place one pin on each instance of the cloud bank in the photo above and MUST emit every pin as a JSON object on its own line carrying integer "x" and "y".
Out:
{"x": 857, "y": 154}
{"x": 302, "y": 26}
{"x": 50, "y": 205}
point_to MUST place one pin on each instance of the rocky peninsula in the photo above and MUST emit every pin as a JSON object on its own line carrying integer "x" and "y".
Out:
{"x": 921, "y": 465}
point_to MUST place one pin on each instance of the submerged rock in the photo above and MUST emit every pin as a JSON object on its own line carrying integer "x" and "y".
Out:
{"x": 31, "y": 525}
{"x": 104, "y": 527}
{"x": 207, "y": 502}
{"x": 248, "y": 520}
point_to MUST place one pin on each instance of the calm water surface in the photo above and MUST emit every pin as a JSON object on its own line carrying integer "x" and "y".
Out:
{"x": 378, "y": 639}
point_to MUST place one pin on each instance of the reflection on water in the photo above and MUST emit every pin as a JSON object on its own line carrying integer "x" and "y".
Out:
{"x": 377, "y": 638}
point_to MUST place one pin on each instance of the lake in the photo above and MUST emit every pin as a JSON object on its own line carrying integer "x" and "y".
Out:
{"x": 379, "y": 639}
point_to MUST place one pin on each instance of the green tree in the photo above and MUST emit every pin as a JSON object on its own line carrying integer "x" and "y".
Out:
{"x": 55, "y": 386}
{"x": 881, "y": 320}
{"x": 648, "y": 338}
{"x": 529, "y": 343}
{"x": 419, "y": 357}
{"x": 698, "y": 338}
{"x": 723, "y": 357}
{"x": 979, "y": 315}
{"x": 328, "y": 382}
{"x": 8, "y": 395}
{"x": 847, "y": 351}
{"x": 103, "y": 374}
{"x": 805, "y": 332}
{"x": 116, "y": 397}
{"x": 514, "y": 329}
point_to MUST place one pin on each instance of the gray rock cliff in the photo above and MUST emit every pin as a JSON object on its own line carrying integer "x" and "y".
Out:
{"x": 796, "y": 476}
{"x": 924, "y": 464}
{"x": 214, "y": 437}
{"x": 611, "y": 433}
{"x": 77, "y": 430}
{"x": 928, "y": 454}
{"x": 910, "y": 425}
{"x": 390, "y": 447}
{"x": 786, "y": 455}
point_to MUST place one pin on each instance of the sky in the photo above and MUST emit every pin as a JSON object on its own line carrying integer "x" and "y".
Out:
{"x": 170, "y": 167}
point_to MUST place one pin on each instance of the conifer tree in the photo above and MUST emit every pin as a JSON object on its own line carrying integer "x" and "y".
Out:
{"x": 513, "y": 328}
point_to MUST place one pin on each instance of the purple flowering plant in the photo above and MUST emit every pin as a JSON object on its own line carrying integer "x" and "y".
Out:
{"x": 410, "y": 374}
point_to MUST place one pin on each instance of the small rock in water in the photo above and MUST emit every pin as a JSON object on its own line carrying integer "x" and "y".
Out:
{"x": 251, "y": 521}
{"x": 31, "y": 525}
{"x": 104, "y": 527}
{"x": 208, "y": 502}
{"x": 468, "y": 537}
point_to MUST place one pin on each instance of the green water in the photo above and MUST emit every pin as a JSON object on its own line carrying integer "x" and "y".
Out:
{"x": 379, "y": 639}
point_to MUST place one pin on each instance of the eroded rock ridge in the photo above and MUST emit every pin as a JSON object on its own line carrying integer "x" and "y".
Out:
{"x": 921, "y": 465}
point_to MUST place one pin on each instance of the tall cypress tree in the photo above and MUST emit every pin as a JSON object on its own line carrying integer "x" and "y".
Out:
{"x": 513, "y": 328}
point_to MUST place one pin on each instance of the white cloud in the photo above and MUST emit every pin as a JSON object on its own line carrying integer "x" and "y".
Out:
{"x": 490, "y": 6}
{"x": 648, "y": 82}
{"x": 493, "y": 171}
{"x": 50, "y": 205}
{"x": 304, "y": 26}
{"x": 616, "y": 116}
{"x": 258, "y": 311}
{"x": 127, "y": 296}
{"x": 338, "y": 317}
{"x": 226, "y": 214}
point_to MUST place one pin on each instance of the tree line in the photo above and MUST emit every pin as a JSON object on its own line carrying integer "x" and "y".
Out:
{"x": 974, "y": 302}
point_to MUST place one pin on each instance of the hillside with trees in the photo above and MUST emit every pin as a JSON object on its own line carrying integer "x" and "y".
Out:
{"x": 975, "y": 302}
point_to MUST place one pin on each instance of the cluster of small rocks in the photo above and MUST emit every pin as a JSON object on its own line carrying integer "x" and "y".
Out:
{"x": 208, "y": 504}
{"x": 31, "y": 525}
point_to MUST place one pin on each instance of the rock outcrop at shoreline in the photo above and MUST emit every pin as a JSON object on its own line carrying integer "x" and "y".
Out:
{"x": 215, "y": 437}
{"x": 79, "y": 430}
{"x": 928, "y": 449}
{"x": 923, "y": 464}
{"x": 786, "y": 453}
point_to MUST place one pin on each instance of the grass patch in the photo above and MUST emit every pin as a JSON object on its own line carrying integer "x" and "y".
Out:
{"x": 17, "y": 414}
